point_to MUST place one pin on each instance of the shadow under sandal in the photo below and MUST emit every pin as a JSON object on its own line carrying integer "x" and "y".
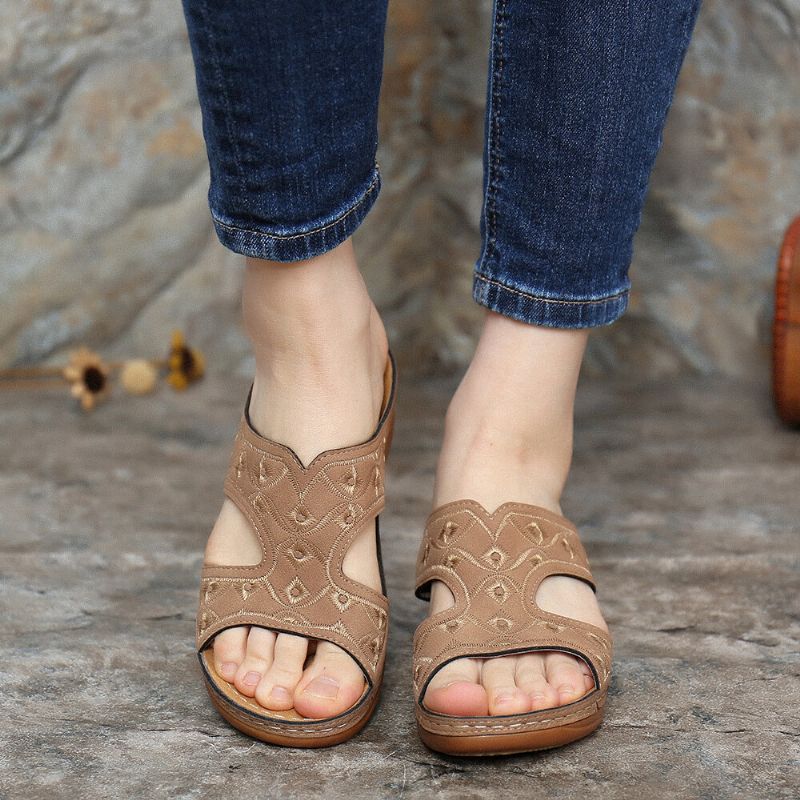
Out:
{"x": 306, "y": 518}
{"x": 494, "y": 564}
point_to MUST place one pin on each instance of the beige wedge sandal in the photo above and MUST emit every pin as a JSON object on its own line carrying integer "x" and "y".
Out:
{"x": 494, "y": 564}
{"x": 306, "y": 518}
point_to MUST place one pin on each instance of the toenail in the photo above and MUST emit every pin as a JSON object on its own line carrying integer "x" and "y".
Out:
{"x": 228, "y": 670}
{"x": 503, "y": 697}
{"x": 252, "y": 679}
{"x": 323, "y": 687}
{"x": 279, "y": 694}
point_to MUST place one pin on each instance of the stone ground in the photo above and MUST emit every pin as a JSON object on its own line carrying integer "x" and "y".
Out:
{"x": 687, "y": 496}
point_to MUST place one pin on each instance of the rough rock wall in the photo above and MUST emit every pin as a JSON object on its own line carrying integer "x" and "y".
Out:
{"x": 104, "y": 229}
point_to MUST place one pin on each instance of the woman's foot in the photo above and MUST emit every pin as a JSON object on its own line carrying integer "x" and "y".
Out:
{"x": 508, "y": 437}
{"x": 320, "y": 351}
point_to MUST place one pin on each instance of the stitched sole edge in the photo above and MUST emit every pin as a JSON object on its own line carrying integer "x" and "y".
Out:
{"x": 499, "y": 739}
{"x": 286, "y": 734}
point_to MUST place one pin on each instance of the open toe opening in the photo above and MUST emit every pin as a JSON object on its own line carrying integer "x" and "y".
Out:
{"x": 226, "y": 692}
{"x": 521, "y": 686}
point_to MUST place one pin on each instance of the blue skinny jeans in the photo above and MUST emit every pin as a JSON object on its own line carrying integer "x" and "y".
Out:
{"x": 577, "y": 95}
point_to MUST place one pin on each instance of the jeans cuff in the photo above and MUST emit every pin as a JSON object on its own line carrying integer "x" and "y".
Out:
{"x": 547, "y": 311}
{"x": 302, "y": 243}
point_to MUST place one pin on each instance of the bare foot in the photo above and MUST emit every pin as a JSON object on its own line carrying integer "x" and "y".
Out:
{"x": 508, "y": 437}
{"x": 320, "y": 351}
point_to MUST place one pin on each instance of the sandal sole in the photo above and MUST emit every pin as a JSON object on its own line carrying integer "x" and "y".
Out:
{"x": 501, "y": 744}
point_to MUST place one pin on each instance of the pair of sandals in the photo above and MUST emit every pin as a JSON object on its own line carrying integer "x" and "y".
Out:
{"x": 306, "y": 518}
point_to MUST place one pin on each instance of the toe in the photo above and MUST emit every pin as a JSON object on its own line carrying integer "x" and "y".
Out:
{"x": 505, "y": 697}
{"x": 331, "y": 684}
{"x": 257, "y": 660}
{"x": 530, "y": 677}
{"x": 276, "y": 687}
{"x": 565, "y": 675}
{"x": 456, "y": 689}
{"x": 229, "y": 651}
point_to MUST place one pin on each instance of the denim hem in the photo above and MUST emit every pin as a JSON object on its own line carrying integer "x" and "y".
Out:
{"x": 548, "y": 311}
{"x": 302, "y": 244}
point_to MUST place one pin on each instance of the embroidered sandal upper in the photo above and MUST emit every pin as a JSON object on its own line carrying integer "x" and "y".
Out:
{"x": 493, "y": 564}
{"x": 306, "y": 518}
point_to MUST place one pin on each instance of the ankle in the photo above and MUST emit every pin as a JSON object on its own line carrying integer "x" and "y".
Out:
{"x": 508, "y": 429}
{"x": 305, "y": 307}
{"x": 492, "y": 453}
{"x": 483, "y": 473}
{"x": 328, "y": 353}
{"x": 320, "y": 351}
{"x": 312, "y": 319}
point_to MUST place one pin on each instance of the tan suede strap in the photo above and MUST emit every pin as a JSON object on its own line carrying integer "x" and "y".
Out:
{"x": 494, "y": 564}
{"x": 306, "y": 518}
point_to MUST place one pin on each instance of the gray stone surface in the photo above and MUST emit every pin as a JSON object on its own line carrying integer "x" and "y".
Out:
{"x": 686, "y": 495}
{"x": 103, "y": 175}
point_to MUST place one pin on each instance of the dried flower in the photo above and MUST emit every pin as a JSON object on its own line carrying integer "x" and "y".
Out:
{"x": 87, "y": 374}
{"x": 186, "y": 364}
